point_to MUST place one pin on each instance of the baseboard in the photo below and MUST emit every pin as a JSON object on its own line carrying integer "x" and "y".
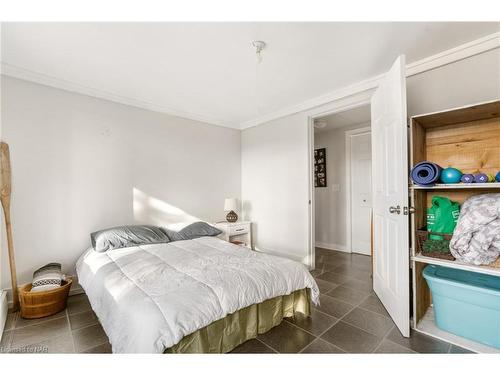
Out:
{"x": 3, "y": 311}
{"x": 75, "y": 289}
{"x": 332, "y": 246}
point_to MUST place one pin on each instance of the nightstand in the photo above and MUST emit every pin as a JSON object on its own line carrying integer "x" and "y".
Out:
{"x": 237, "y": 231}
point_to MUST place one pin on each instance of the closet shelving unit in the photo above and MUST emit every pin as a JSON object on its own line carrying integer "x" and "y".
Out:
{"x": 466, "y": 138}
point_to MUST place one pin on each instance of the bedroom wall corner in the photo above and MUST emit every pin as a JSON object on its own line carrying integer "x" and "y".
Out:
{"x": 81, "y": 164}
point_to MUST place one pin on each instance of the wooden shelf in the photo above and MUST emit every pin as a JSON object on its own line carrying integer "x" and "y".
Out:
{"x": 487, "y": 185}
{"x": 456, "y": 264}
{"x": 469, "y": 139}
{"x": 428, "y": 326}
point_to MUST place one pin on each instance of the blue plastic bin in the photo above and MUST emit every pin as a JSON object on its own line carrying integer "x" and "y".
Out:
{"x": 466, "y": 303}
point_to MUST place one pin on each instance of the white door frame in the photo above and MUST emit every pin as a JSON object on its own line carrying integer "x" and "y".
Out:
{"x": 348, "y": 137}
{"x": 341, "y": 105}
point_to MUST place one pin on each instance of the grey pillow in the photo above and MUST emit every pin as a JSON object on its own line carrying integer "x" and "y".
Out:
{"x": 173, "y": 235}
{"x": 127, "y": 236}
{"x": 195, "y": 230}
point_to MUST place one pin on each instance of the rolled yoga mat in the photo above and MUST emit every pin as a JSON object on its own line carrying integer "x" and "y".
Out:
{"x": 467, "y": 178}
{"x": 483, "y": 177}
{"x": 426, "y": 173}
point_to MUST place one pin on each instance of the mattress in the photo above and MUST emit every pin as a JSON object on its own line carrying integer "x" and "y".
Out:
{"x": 149, "y": 297}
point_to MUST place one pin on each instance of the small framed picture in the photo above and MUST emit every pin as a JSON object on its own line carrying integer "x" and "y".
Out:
{"x": 320, "y": 167}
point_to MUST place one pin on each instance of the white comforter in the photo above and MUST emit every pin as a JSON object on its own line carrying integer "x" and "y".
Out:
{"x": 148, "y": 298}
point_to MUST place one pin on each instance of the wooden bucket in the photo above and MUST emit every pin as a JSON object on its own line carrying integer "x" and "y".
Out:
{"x": 44, "y": 303}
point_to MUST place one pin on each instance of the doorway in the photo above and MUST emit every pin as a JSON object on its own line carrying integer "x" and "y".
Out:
{"x": 342, "y": 181}
{"x": 390, "y": 271}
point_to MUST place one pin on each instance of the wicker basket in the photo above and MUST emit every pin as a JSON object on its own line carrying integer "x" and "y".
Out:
{"x": 495, "y": 264}
{"x": 44, "y": 303}
{"x": 423, "y": 235}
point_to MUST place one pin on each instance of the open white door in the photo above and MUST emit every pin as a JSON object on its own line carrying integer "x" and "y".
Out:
{"x": 390, "y": 196}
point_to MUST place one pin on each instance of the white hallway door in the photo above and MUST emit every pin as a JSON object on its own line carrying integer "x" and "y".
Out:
{"x": 390, "y": 196}
{"x": 361, "y": 192}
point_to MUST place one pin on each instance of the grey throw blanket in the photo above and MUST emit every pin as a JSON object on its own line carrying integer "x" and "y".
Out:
{"x": 476, "y": 239}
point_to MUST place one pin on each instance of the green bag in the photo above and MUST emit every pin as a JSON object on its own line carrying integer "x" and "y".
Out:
{"x": 442, "y": 216}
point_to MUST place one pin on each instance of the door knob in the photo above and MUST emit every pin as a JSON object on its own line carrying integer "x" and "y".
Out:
{"x": 408, "y": 210}
{"x": 395, "y": 210}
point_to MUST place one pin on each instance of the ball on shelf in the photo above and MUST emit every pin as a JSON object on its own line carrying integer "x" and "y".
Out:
{"x": 451, "y": 175}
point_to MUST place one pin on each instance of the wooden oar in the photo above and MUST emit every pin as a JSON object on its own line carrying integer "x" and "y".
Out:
{"x": 5, "y": 191}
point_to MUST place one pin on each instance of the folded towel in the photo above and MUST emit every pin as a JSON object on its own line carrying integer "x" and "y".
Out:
{"x": 47, "y": 277}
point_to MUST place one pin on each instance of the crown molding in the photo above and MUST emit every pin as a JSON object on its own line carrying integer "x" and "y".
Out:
{"x": 455, "y": 54}
{"x": 43, "y": 79}
{"x": 449, "y": 56}
{"x": 318, "y": 101}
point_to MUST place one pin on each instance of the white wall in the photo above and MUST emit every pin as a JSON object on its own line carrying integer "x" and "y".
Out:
{"x": 275, "y": 186}
{"x": 331, "y": 206}
{"x": 80, "y": 164}
{"x": 278, "y": 201}
{"x": 3, "y": 294}
{"x": 469, "y": 81}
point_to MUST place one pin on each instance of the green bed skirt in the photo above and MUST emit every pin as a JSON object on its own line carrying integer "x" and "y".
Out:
{"x": 227, "y": 333}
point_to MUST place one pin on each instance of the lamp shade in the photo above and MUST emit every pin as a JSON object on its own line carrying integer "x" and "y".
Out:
{"x": 230, "y": 204}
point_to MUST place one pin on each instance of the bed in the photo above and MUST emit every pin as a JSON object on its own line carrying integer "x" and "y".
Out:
{"x": 203, "y": 295}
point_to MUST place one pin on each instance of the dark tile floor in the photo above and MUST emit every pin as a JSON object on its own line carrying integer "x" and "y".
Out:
{"x": 74, "y": 330}
{"x": 350, "y": 319}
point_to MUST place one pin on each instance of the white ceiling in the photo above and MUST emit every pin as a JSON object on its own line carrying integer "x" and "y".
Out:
{"x": 208, "y": 70}
{"x": 355, "y": 116}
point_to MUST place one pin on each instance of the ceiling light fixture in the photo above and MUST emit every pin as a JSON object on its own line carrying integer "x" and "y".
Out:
{"x": 320, "y": 124}
{"x": 259, "y": 45}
